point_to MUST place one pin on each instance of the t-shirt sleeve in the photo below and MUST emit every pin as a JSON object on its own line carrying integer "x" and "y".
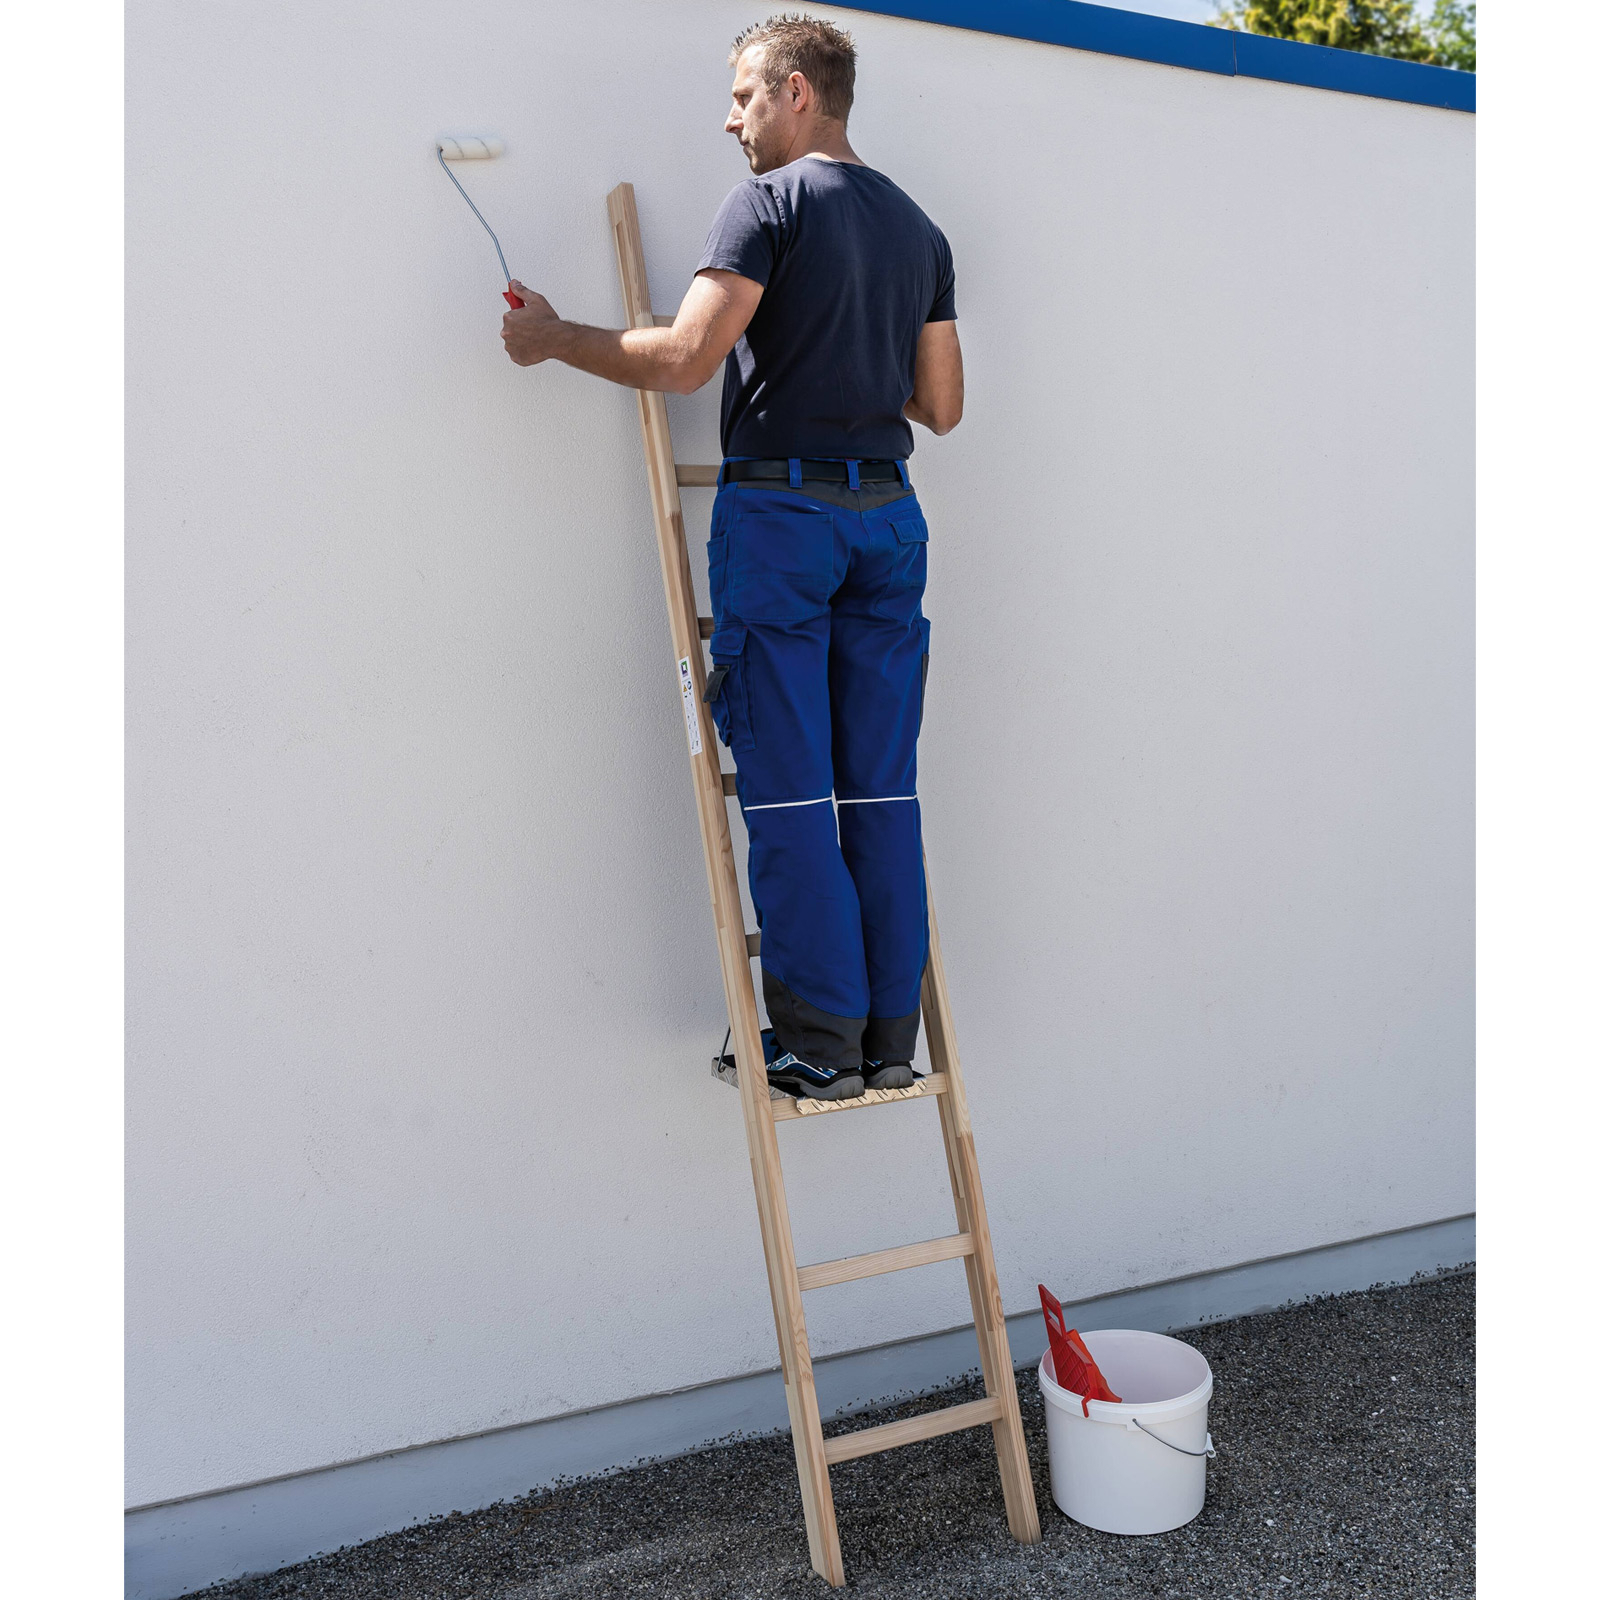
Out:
{"x": 744, "y": 234}
{"x": 944, "y": 294}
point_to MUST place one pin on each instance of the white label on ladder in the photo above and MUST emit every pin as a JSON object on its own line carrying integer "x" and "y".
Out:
{"x": 690, "y": 720}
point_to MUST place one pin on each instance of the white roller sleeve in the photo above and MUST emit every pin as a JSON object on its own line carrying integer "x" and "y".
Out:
{"x": 469, "y": 147}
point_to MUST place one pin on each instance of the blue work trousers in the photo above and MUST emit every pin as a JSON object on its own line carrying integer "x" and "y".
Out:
{"x": 819, "y": 662}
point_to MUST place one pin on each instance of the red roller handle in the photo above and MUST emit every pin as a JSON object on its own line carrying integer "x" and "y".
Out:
{"x": 513, "y": 301}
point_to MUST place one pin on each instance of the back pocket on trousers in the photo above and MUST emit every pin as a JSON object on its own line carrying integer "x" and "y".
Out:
{"x": 780, "y": 565}
{"x": 907, "y": 574}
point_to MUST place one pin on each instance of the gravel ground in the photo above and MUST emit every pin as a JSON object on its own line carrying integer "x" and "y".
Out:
{"x": 1344, "y": 1467}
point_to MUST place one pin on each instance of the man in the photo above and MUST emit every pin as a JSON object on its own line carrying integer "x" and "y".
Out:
{"x": 829, "y": 300}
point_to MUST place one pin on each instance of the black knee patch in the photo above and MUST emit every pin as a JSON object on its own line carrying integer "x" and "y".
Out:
{"x": 891, "y": 1038}
{"x": 816, "y": 1036}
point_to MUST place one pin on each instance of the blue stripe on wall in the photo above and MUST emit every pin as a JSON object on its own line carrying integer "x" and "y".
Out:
{"x": 1284, "y": 61}
{"x": 1189, "y": 44}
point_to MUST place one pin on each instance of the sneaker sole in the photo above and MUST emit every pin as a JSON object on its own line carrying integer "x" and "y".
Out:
{"x": 899, "y": 1076}
{"x": 847, "y": 1088}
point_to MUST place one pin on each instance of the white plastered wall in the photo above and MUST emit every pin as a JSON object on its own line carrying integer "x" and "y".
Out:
{"x": 423, "y": 1138}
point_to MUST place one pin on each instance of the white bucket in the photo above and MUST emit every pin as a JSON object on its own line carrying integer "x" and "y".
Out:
{"x": 1138, "y": 1466}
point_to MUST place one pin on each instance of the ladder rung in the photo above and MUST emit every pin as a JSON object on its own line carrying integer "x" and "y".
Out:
{"x": 869, "y": 1441}
{"x": 730, "y": 783}
{"x": 695, "y": 477}
{"x": 705, "y": 626}
{"x": 848, "y": 1268}
{"x": 752, "y": 944}
{"x": 786, "y": 1109}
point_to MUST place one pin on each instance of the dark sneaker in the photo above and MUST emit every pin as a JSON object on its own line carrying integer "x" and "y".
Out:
{"x": 888, "y": 1074}
{"x": 794, "y": 1076}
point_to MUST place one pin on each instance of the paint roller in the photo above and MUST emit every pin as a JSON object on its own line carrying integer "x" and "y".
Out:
{"x": 469, "y": 147}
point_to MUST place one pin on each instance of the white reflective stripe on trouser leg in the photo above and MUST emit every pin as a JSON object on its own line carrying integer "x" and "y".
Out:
{"x": 786, "y": 805}
{"x": 878, "y": 800}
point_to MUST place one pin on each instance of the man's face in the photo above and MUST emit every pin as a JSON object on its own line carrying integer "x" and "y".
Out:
{"x": 763, "y": 123}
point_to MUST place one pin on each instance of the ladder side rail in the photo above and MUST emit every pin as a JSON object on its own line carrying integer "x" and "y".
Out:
{"x": 761, "y": 1134}
{"x": 983, "y": 1282}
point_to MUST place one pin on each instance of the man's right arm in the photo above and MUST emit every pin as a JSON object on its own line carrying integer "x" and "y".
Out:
{"x": 939, "y": 389}
{"x": 675, "y": 360}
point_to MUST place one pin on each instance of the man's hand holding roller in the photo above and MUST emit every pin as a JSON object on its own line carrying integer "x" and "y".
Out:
{"x": 531, "y": 335}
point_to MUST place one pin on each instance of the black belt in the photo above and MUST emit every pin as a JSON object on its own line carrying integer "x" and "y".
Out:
{"x": 816, "y": 471}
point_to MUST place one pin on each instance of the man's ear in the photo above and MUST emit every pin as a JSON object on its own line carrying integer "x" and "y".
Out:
{"x": 797, "y": 89}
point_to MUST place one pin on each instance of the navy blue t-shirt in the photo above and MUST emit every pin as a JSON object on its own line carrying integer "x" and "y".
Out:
{"x": 852, "y": 269}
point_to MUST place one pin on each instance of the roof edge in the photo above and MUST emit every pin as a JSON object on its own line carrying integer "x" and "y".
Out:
{"x": 1140, "y": 37}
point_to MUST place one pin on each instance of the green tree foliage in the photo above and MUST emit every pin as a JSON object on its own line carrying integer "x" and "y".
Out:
{"x": 1448, "y": 37}
{"x": 1453, "y": 28}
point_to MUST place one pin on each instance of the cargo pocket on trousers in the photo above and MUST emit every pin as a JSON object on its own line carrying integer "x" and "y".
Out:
{"x": 922, "y": 693}
{"x": 727, "y": 692}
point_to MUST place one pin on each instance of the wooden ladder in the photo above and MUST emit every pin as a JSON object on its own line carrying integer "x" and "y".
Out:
{"x": 813, "y": 1453}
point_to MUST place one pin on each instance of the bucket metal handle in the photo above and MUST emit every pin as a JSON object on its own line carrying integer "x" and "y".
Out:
{"x": 1210, "y": 1449}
